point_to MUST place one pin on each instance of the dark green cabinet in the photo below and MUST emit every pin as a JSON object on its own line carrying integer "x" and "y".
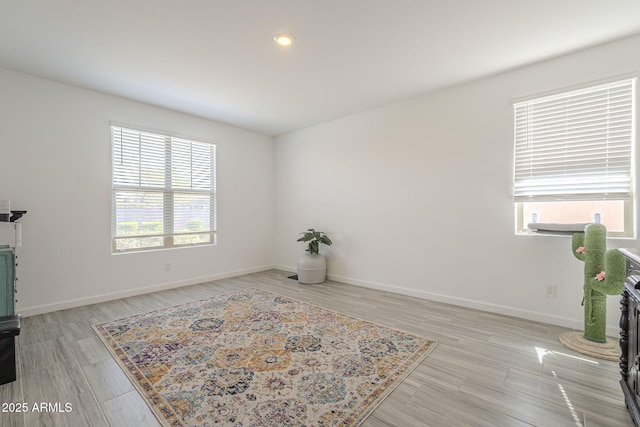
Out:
{"x": 7, "y": 281}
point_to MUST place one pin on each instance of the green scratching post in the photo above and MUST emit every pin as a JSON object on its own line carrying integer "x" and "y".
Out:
{"x": 604, "y": 274}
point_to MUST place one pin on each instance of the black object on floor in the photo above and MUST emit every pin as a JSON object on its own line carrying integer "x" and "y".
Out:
{"x": 9, "y": 328}
{"x": 294, "y": 277}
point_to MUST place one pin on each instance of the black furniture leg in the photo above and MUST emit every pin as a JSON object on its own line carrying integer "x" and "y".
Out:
{"x": 9, "y": 329}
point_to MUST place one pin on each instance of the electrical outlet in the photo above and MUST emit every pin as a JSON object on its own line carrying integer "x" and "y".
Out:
{"x": 552, "y": 291}
{"x": 167, "y": 266}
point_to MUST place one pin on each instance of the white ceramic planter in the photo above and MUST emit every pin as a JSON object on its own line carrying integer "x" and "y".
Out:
{"x": 312, "y": 268}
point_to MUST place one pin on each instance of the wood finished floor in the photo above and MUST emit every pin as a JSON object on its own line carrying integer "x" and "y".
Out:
{"x": 487, "y": 369}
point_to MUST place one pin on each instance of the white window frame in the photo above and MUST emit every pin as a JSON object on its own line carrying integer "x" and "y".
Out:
{"x": 577, "y": 145}
{"x": 188, "y": 181}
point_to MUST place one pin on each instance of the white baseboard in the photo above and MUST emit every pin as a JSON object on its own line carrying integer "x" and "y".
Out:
{"x": 612, "y": 331}
{"x": 63, "y": 305}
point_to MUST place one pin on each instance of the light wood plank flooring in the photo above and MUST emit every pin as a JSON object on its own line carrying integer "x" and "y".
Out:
{"x": 487, "y": 370}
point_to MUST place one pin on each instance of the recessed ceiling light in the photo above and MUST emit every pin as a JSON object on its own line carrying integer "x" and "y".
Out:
{"x": 283, "y": 39}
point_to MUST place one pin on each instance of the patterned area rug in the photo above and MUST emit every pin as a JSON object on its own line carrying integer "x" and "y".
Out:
{"x": 254, "y": 358}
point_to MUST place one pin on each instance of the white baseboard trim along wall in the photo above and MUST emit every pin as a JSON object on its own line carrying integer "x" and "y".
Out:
{"x": 47, "y": 308}
{"x": 612, "y": 331}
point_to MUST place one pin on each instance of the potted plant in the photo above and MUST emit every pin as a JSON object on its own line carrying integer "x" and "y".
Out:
{"x": 312, "y": 266}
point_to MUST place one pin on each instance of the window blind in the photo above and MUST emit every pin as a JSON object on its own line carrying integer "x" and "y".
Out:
{"x": 576, "y": 145}
{"x": 163, "y": 190}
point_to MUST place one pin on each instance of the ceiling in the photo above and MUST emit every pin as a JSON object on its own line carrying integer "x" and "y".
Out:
{"x": 217, "y": 59}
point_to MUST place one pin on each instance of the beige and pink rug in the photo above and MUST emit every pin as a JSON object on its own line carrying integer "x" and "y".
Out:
{"x": 255, "y": 358}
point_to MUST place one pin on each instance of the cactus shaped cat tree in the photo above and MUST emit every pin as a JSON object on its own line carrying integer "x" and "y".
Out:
{"x": 604, "y": 274}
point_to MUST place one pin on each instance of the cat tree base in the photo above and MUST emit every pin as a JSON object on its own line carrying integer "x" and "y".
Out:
{"x": 576, "y": 341}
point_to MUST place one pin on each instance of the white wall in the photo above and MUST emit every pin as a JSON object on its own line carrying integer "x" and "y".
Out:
{"x": 417, "y": 196}
{"x": 55, "y": 162}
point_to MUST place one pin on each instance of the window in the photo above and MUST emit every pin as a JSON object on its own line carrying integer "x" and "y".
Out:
{"x": 573, "y": 157}
{"x": 163, "y": 191}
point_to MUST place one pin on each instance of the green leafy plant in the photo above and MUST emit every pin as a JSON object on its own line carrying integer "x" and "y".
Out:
{"x": 314, "y": 238}
{"x": 195, "y": 225}
{"x": 127, "y": 228}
